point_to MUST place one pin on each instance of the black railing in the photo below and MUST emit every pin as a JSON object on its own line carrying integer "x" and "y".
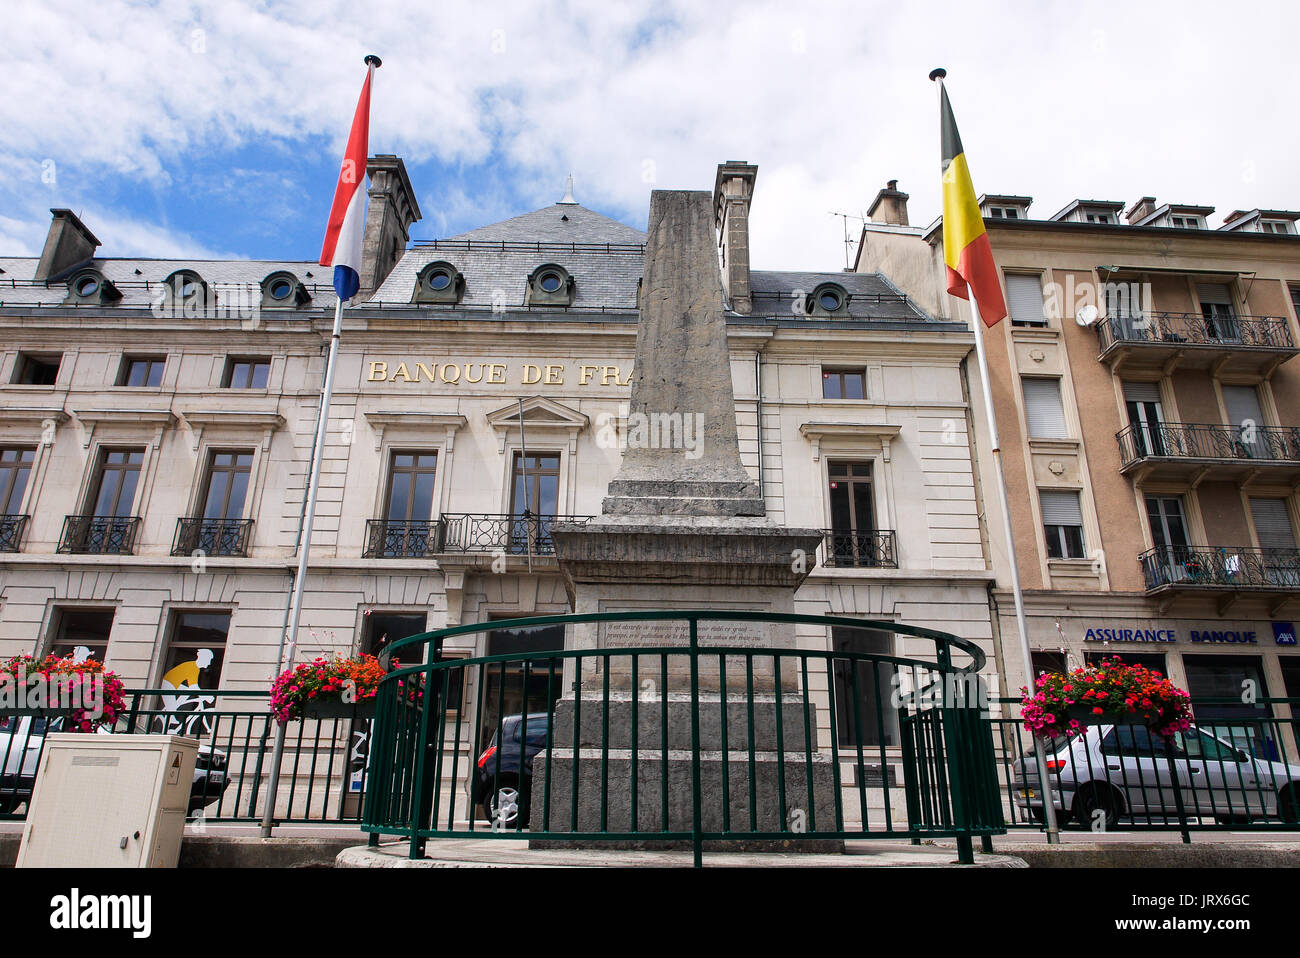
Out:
{"x": 1236, "y": 769}
{"x": 11, "y": 532}
{"x": 852, "y": 549}
{"x": 463, "y": 532}
{"x": 1176, "y": 440}
{"x": 1196, "y": 329}
{"x": 1221, "y": 566}
{"x": 214, "y": 537}
{"x": 106, "y": 535}
{"x": 323, "y": 775}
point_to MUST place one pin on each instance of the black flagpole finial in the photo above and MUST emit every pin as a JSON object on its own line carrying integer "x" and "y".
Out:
{"x": 374, "y": 61}
{"x": 938, "y": 73}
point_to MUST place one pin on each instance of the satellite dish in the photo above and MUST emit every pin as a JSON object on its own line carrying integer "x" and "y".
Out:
{"x": 1086, "y": 315}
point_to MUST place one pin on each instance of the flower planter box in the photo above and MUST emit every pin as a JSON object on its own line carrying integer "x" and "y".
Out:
{"x": 337, "y": 708}
{"x": 1084, "y": 715}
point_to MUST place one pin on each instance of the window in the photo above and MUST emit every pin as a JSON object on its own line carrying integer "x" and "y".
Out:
{"x": 142, "y": 371}
{"x": 1276, "y": 226}
{"x": 864, "y": 707}
{"x": 1245, "y": 413}
{"x": 440, "y": 282}
{"x": 1048, "y": 660}
{"x": 1062, "y": 524}
{"x": 1025, "y": 299}
{"x": 1133, "y": 741}
{"x": 15, "y": 470}
{"x": 81, "y": 633}
{"x": 1186, "y": 222}
{"x": 1004, "y": 212}
{"x": 1217, "y": 308}
{"x": 247, "y": 373}
{"x": 1276, "y": 540}
{"x": 37, "y": 370}
{"x": 114, "y": 488}
{"x": 410, "y": 487}
{"x": 1147, "y": 418}
{"x": 534, "y": 499}
{"x": 1236, "y": 681}
{"x": 550, "y": 285}
{"x": 227, "y": 484}
{"x": 828, "y": 299}
{"x": 381, "y": 629}
{"x": 1044, "y": 411}
{"x": 196, "y": 650}
{"x": 853, "y": 539}
{"x": 1295, "y": 299}
{"x": 506, "y": 684}
{"x": 1099, "y": 218}
{"x": 844, "y": 383}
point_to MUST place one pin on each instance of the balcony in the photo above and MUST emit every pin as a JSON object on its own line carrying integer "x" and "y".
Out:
{"x": 213, "y": 537}
{"x": 11, "y": 532}
{"x": 99, "y": 535}
{"x": 1223, "y": 569}
{"x": 462, "y": 533}
{"x": 1187, "y": 452}
{"x": 843, "y": 549}
{"x": 1250, "y": 345}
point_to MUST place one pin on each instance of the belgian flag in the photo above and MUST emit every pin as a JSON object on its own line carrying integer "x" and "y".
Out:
{"x": 966, "y": 249}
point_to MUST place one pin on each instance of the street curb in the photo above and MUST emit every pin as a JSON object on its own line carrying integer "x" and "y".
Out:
{"x": 1157, "y": 855}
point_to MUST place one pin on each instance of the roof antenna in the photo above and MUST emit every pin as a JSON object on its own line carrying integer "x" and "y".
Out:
{"x": 568, "y": 193}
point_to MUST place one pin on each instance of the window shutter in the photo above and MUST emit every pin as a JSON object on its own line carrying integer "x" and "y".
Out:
{"x": 1141, "y": 392}
{"x": 1060, "y": 508}
{"x": 1214, "y": 293}
{"x": 1272, "y": 523}
{"x": 1025, "y": 298}
{"x": 1243, "y": 404}
{"x": 1043, "y": 409}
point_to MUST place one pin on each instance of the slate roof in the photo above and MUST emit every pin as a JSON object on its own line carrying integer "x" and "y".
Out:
{"x": 560, "y": 223}
{"x": 139, "y": 288}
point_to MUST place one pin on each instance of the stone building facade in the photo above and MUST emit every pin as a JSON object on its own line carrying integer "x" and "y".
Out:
{"x": 157, "y": 420}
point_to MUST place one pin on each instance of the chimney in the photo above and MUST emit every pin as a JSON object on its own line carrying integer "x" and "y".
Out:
{"x": 68, "y": 243}
{"x": 732, "y": 192}
{"x": 892, "y": 203}
{"x": 392, "y": 211}
{"x": 1142, "y": 208}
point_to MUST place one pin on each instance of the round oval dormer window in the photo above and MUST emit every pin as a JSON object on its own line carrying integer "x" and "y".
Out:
{"x": 830, "y": 300}
{"x": 550, "y": 282}
{"x": 281, "y": 288}
{"x": 87, "y": 285}
{"x": 439, "y": 279}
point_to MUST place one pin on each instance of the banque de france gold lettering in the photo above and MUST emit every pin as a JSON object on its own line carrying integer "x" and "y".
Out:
{"x": 526, "y": 374}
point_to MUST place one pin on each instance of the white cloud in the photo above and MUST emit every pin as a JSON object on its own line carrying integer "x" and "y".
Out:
{"x": 1106, "y": 99}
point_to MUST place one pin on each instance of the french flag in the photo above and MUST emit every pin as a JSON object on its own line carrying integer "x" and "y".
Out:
{"x": 342, "y": 248}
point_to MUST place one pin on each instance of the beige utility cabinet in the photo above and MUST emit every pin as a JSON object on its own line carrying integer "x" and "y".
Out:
{"x": 109, "y": 801}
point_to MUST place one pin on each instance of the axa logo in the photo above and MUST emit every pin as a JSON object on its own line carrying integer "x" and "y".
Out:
{"x": 76, "y": 911}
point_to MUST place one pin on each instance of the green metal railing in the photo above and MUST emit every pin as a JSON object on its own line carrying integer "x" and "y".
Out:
{"x": 691, "y": 738}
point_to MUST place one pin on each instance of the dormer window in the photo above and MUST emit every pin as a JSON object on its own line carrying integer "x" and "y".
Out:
{"x": 829, "y": 299}
{"x": 1276, "y": 226}
{"x": 283, "y": 290}
{"x": 439, "y": 283}
{"x": 1004, "y": 212}
{"x": 1186, "y": 222}
{"x": 1105, "y": 218}
{"x": 89, "y": 288}
{"x": 184, "y": 291}
{"x": 550, "y": 285}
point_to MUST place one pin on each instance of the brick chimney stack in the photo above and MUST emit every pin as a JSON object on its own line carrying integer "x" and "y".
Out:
{"x": 1143, "y": 207}
{"x": 892, "y": 204}
{"x": 67, "y": 243}
{"x": 733, "y": 190}
{"x": 388, "y": 220}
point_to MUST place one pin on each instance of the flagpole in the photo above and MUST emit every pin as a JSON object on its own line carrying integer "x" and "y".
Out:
{"x": 1026, "y": 656}
{"x": 304, "y": 552}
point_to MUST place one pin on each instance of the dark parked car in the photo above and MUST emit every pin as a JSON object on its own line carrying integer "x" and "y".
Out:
{"x": 503, "y": 775}
{"x": 21, "y": 741}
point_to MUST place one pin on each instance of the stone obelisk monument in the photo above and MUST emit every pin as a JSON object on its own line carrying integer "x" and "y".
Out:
{"x": 683, "y": 526}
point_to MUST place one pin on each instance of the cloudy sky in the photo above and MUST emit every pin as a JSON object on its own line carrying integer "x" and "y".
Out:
{"x": 216, "y": 129}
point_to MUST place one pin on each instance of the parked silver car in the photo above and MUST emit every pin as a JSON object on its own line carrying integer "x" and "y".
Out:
{"x": 1123, "y": 771}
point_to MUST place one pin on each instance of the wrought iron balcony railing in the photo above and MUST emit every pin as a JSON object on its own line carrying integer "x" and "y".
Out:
{"x": 1176, "y": 440}
{"x": 849, "y": 549}
{"x": 1221, "y": 567}
{"x": 1196, "y": 329}
{"x": 104, "y": 535}
{"x": 214, "y": 537}
{"x": 11, "y": 532}
{"x": 462, "y": 532}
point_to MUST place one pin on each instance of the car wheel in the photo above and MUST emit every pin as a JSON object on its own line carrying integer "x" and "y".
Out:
{"x": 504, "y": 805}
{"x": 1092, "y": 799}
{"x": 1288, "y": 806}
